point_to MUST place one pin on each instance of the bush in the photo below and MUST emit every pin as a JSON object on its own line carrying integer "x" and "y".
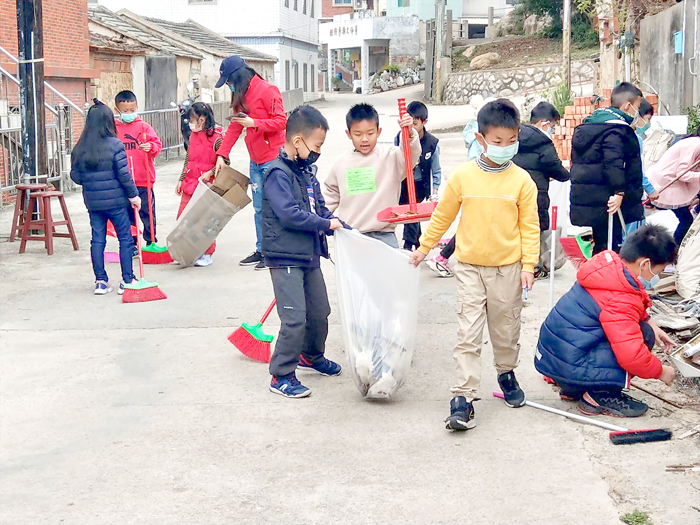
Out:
{"x": 560, "y": 97}
{"x": 693, "y": 113}
{"x": 583, "y": 35}
{"x": 393, "y": 68}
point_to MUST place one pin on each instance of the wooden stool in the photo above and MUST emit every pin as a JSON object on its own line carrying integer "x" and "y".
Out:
{"x": 19, "y": 216}
{"x": 46, "y": 223}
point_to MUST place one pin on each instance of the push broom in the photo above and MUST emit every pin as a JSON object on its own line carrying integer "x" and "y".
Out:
{"x": 251, "y": 341}
{"x": 152, "y": 253}
{"x": 142, "y": 291}
{"x": 618, "y": 435}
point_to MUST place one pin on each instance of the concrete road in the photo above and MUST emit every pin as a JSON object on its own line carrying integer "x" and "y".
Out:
{"x": 113, "y": 413}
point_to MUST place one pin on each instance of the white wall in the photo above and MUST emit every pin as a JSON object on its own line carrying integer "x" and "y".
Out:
{"x": 138, "y": 70}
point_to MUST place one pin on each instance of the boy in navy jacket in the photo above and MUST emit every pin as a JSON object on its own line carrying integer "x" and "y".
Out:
{"x": 295, "y": 222}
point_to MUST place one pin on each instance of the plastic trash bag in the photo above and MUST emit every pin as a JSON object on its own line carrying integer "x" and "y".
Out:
{"x": 378, "y": 296}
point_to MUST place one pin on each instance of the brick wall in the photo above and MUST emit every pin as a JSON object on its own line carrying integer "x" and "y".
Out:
{"x": 328, "y": 10}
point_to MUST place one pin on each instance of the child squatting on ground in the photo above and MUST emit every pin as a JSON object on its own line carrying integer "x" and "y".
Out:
{"x": 295, "y": 222}
{"x": 427, "y": 173}
{"x": 599, "y": 334}
{"x": 367, "y": 179}
{"x": 200, "y": 161}
{"x": 98, "y": 164}
{"x": 497, "y": 248}
{"x": 142, "y": 146}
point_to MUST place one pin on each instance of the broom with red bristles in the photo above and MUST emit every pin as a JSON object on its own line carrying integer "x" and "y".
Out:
{"x": 251, "y": 341}
{"x": 141, "y": 291}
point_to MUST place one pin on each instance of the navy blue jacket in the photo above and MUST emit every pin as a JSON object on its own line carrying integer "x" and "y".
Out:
{"x": 109, "y": 185}
{"x": 293, "y": 232}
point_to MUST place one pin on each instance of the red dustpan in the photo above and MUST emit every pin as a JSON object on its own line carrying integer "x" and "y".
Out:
{"x": 413, "y": 211}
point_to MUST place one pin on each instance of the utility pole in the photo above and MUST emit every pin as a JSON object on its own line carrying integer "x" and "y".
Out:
{"x": 566, "y": 44}
{"x": 31, "y": 89}
{"x": 439, "y": 48}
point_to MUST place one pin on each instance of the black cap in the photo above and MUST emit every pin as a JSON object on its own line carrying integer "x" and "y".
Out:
{"x": 229, "y": 66}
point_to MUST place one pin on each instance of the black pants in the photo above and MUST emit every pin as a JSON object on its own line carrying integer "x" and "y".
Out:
{"x": 449, "y": 248}
{"x": 600, "y": 234}
{"x": 143, "y": 213}
{"x": 577, "y": 391}
{"x": 302, "y": 304}
{"x": 685, "y": 221}
{"x": 412, "y": 232}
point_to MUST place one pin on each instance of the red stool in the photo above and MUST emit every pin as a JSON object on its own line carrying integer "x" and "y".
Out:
{"x": 46, "y": 223}
{"x": 20, "y": 215}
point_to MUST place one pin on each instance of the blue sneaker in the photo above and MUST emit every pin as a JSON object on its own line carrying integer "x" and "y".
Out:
{"x": 325, "y": 367}
{"x": 288, "y": 387}
{"x": 102, "y": 288}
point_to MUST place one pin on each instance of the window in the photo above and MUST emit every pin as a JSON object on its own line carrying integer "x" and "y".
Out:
{"x": 305, "y": 72}
{"x": 296, "y": 7}
{"x": 304, "y": 8}
{"x": 404, "y": 3}
{"x": 286, "y": 3}
{"x": 342, "y": 2}
{"x": 287, "y": 76}
{"x": 313, "y": 78}
{"x": 211, "y": 2}
{"x": 296, "y": 75}
{"x": 312, "y": 8}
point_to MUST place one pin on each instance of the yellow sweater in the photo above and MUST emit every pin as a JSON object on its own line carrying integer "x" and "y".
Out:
{"x": 499, "y": 223}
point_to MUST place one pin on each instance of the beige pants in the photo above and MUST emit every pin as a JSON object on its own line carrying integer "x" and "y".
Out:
{"x": 493, "y": 294}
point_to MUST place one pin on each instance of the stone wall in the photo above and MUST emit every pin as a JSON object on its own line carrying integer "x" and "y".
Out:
{"x": 460, "y": 87}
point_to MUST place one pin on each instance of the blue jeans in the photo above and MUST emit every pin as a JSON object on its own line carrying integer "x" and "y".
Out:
{"x": 122, "y": 225}
{"x": 257, "y": 174}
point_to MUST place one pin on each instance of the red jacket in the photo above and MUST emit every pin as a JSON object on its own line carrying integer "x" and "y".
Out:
{"x": 140, "y": 162}
{"x": 623, "y": 304}
{"x": 201, "y": 157}
{"x": 264, "y": 103}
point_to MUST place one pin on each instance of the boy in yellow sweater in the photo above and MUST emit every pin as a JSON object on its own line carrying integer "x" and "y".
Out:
{"x": 498, "y": 242}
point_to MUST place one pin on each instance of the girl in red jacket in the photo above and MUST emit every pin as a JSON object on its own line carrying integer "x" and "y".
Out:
{"x": 200, "y": 160}
{"x": 257, "y": 106}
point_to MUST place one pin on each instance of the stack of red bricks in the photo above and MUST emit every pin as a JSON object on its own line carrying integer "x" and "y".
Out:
{"x": 574, "y": 115}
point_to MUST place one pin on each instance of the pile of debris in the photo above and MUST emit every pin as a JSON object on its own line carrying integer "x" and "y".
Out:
{"x": 386, "y": 80}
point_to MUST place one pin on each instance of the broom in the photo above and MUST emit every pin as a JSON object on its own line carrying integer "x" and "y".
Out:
{"x": 152, "y": 253}
{"x": 143, "y": 290}
{"x": 618, "y": 436}
{"x": 251, "y": 341}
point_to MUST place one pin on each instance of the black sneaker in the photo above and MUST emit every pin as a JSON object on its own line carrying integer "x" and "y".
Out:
{"x": 261, "y": 265}
{"x": 513, "y": 395}
{"x": 611, "y": 404}
{"x": 461, "y": 415}
{"x": 253, "y": 259}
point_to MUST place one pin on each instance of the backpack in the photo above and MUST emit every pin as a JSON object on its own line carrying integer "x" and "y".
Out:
{"x": 655, "y": 145}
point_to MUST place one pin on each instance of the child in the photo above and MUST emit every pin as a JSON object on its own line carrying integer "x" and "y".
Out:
{"x": 427, "y": 174}
{"x": 200, "y": 160}
{"x": 295, "y": 222}
{"x": 643, "y": 123}
{"x": 366, "y": 180}
{"x": 497, "y": 249}
{"x": 537, "y": 156}
{"x": 606, "y": 171}
{"x": 680, "y": 196}
{"x": 599, "y": 335}
{"x": 98, "y": 164}
{"x": 142, "y": 145}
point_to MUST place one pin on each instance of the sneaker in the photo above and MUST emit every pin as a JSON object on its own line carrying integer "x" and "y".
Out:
{"x": 120, "y": 291}
{"x": 461, "y": 415}
{"x": 440, "y": 266}
{"x": 204, "y": 261}
{"x": 513, "y": 395}
{"x": 611, "y": 404}
{"x": 325, "y": 367}
{"x": 541, "y": 273}
{"x": 261, "y": 265}
{"x": 288, "y": 387}
{"x": 135, "y": 255}
{"x": 102, "y": 288}
{"x": 253, "y": 259}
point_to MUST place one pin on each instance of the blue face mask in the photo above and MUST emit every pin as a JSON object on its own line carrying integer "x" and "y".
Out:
{"x": 501, "y": 154}
{"x": 232, "y": 88}
{"x": 649, "y": 285}
{"x": 643, "y": 129}
{"x": 128, "y": 118}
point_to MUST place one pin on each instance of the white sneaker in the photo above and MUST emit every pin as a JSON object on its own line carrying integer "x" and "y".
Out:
{"x": 204, "y": 260}
{"x": 120, "y": 291}
{"x": 440, "y": 268}
{"x": 102, "y": 288}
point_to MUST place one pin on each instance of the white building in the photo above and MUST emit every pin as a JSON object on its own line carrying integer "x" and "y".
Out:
{"x": 286, "y": 29}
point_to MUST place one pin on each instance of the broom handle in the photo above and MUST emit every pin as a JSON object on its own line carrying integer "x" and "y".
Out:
{"x": 149, "y": 186}
{"x": 552, "y": 262}
{"x": 610, "y": 231}
{"x": 269, "y": 311}
{"x": 682, "y": 173}
{"x": 138, "y": 239}
{"x": 406, "y": 142}
{"x": 575, "y": 417}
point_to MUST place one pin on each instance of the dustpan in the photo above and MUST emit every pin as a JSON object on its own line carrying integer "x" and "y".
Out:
{"x": 413, "y": 211}
{"x": 113, "y": 233}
